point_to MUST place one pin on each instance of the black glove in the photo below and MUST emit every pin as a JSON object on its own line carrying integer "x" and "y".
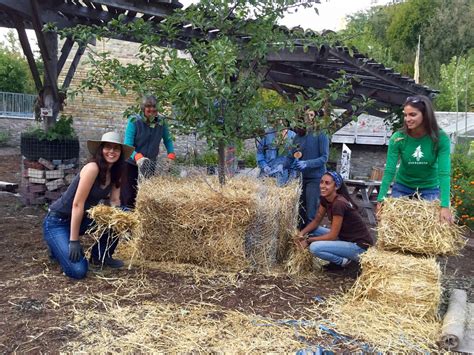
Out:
{"x": 75, "y": 251}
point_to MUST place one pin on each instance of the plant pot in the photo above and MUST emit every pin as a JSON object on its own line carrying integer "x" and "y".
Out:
{"x": 33, "y": 148}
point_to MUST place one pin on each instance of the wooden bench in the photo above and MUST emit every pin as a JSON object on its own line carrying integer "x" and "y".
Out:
{"x": 365, "y": 189}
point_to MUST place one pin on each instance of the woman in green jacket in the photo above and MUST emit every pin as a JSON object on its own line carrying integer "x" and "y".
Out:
{"x": 424, "y": 153}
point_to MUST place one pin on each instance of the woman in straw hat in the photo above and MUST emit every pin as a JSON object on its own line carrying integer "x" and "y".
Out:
{"x": 66, "y": 219}
{"x": 424, "y": 153}
{"x": 348, "y": 236}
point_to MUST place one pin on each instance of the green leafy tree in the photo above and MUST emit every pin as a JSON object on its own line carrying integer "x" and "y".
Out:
{"x": 214, "y": 86}
{"x": 448, "y": 34}
{"x": 457, "y": 85}
{"x": 15, "y": 75}
{"x": 390, "y": 34}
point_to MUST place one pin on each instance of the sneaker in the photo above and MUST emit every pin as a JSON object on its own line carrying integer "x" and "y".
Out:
{"x": 345, "y": 262}
{"x": 108, "y": 261}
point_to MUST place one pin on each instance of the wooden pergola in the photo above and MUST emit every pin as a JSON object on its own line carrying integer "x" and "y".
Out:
{"x": 288, "y": 72}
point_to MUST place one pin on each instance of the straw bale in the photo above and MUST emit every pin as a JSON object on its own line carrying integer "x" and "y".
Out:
{"x": 407, "y": 283}
{"x": 198, "y": 221}
{"x": 412, "y": 225}
{"x": 393, "y": 304}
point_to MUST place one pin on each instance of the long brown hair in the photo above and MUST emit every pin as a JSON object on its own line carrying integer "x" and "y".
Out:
{"x": 424, "y": 105}
{"x": 115, "y": 170}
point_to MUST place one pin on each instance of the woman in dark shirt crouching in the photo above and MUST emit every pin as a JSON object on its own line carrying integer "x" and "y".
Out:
{"x": 66, "y": 220}
{"x": 348, "y": 236}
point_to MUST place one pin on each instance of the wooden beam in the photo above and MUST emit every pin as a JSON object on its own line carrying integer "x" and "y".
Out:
{"x": 139, "y": 6}
{"x": 48, "y": 57}
{"x": 73, "y": 67}
{"x": 25, "y": 45}
{"x": 67, "y": 46}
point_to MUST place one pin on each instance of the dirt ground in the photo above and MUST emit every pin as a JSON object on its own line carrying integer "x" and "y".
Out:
{"x": 39, "y": 306}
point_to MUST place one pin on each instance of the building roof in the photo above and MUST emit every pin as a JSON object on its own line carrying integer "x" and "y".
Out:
{"x": 373, "y": 131}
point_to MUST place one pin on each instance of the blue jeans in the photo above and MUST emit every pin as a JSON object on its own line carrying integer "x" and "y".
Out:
{"x": 56, "y": 233}
{"x": 309, "y": 200}
{"x": 399, "y": 190}
{"x": 334, "y": 250}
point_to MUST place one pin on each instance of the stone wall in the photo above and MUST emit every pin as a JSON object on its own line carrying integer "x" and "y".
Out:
{"x": 13, "y": 128}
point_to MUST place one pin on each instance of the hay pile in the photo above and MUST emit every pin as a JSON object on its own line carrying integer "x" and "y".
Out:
{"x": 117, "y": 224}
{"x": 393, "y": 305}
{"x": 197, "y": 221}
{"x": 411, "y": 225}
{"x": 153, "y": 328}
{"x": 114, "y": 220}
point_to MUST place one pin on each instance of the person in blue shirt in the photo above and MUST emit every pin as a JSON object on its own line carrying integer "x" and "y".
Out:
{"x": 145, "y": 132}
{"x": 311, "y": 148}
{"x": 272, "y": 153}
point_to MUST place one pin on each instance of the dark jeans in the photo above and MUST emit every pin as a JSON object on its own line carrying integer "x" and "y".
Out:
{"x": 309, "y": 201}
{"x": 128, "y": 188}
{"x": 56, "y": 233}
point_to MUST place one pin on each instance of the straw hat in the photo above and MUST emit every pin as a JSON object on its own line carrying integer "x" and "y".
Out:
{"x": 110, "y": 137}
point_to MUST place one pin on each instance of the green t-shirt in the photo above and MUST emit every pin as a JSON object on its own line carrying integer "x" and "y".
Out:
{"x": 421, "y": 165}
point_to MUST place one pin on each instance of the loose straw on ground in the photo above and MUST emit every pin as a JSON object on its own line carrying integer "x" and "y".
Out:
{"x": 412, "y": 225}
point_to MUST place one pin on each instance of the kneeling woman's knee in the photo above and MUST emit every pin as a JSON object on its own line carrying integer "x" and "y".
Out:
{"x": 316, "y": 248}
{"x": 77, "y": 270}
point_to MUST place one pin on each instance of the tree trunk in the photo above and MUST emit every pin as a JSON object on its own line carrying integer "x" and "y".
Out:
{"x": 48, "y": 98}
{"x": 221, "y": 168}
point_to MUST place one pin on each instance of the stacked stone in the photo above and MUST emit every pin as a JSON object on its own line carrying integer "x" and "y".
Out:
{"x": 43, "y": 181}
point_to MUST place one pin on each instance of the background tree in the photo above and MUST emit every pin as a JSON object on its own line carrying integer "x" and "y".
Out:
{"x": 15, "y": 75}
{"x": 457, "y": 84}
{"x": 213, "y": 87}
{"x": 390, "y": 34}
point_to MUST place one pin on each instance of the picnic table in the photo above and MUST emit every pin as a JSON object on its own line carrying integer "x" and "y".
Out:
{"x": 365, "y": 188}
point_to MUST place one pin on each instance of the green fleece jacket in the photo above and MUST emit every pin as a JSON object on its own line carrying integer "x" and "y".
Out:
{"x": 421, "y": 164}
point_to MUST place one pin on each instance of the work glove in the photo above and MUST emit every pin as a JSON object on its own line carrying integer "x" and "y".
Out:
{"x": 267, "y": 169}
{"x": 75, "y": 251}
{"x": 145, "y": 167}
{"x": 301, "y": 164}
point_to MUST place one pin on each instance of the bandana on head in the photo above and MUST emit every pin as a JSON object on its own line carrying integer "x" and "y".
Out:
{"x": 336, "y": 177}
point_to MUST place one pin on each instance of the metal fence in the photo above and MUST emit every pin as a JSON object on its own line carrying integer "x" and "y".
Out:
{"x": 16, "y": 105}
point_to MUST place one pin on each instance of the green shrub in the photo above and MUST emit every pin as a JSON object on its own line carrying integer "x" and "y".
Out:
{"x": 249, "y": 158}
{"x": 462, "y": 184}
{"x": 4, "y": 138}
{"x": 62, "y": 129}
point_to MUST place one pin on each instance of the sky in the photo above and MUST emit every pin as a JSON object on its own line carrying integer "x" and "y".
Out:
{"x": 331, "y": 15}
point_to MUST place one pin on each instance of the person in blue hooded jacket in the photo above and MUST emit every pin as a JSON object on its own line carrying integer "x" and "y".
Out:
{"x": 311, "y": 149}
{"x": 272, "y": 153}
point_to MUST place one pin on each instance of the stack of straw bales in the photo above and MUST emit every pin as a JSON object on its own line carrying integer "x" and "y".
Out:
{"x": 242, "y": 224}
{"x": 394, "y": 304}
